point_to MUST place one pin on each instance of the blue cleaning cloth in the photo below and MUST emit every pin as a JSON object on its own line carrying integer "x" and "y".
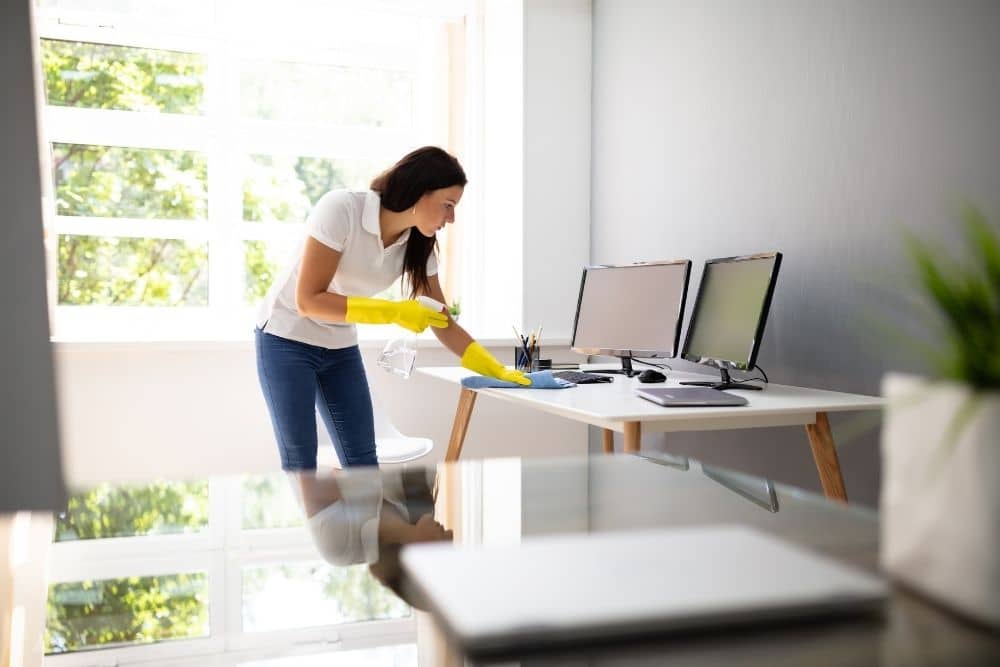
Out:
{"x": 539, "y": 380}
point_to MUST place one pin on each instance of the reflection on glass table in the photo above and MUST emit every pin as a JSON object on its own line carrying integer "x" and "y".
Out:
{"x": 502, "y": 503}
{"x": 755, "y": 489}
{"x": 267, "y": 538}
{"x": 174, "y": 569}
{"x": 367, "y": 515}
{"x": 668, "y": 459}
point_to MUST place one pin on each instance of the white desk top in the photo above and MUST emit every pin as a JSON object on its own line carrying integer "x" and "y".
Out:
{"x": 610, "y": 405}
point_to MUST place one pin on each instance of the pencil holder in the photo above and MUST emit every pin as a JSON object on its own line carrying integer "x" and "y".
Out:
{"x": 521, "y": 361}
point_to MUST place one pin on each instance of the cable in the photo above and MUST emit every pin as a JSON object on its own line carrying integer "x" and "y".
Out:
{"x": 648, "y": 363}
{"x": 757, "y": 379}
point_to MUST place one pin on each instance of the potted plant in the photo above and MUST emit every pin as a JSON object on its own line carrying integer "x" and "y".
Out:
{"x": 940, "y": 497}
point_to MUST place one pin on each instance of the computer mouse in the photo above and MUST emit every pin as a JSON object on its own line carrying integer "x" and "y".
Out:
{"x": 649, "y": 375}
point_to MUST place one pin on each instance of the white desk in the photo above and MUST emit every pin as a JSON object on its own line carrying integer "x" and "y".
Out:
{"x": 615, "y": 408}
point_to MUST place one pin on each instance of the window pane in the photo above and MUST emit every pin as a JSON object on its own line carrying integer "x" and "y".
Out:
{"x": 109, "y": 181}
{"x": 103, "y": 270}
{"x": 102, "y": 76}
{"x": 283, "y": 189}
{"x": 301, "y": 595}
{"x": 164, "y": 508}
{"x": 134, "y": 610}
{"x": 332, "y": 94}
{"x": 268, "y": 502}
{"x": 263, "y": 261}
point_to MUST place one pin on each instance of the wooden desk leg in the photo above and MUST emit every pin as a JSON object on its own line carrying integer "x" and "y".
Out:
{"x": 825, "y": 455}
{"x": 633, "y": 436}
{"x": 609, "y": 441}
{"x": 463, "y": 413}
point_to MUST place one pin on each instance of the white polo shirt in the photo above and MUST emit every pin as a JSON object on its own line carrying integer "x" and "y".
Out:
{"x": 345, "y": 532}
{"x": 346, "y": 221}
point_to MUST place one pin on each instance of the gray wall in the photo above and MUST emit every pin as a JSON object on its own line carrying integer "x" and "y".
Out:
{"x": 30, "y": 470}
{"x": 818, "y": 129}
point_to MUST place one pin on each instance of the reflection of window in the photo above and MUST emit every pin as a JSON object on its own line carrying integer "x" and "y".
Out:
{"x": 128, "y": 511}
{"x": 267, "y": 502}
{"x": 188, "y": 148}
{"x": 296, "y": 595}
{"x": 134, "y": 610}
{"x": 203, "y": 567}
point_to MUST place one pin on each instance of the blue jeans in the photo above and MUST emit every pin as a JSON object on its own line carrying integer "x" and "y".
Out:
{"x": 295, "y": 377}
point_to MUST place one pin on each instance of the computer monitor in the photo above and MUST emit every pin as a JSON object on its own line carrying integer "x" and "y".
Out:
{"x": 727, "y": 322}
{"x": 631, "y": 310}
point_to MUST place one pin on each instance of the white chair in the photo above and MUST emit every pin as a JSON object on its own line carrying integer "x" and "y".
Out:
{"x": 391, "y": 446}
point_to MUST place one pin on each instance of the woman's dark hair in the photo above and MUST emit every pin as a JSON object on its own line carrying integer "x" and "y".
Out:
{"x": 402, "y": 185}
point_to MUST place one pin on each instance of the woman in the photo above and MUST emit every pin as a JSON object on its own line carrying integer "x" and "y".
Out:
{"x": 368, "y": 515}
{"x": 358, "y": 244}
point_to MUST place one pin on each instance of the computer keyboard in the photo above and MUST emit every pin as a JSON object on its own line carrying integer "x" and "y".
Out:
{"x": 579, "y": 377}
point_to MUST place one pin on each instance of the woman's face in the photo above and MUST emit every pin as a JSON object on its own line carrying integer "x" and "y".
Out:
{"x": 437, "y": 209}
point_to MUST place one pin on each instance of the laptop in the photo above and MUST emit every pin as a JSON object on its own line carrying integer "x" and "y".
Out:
{"x": 558, "y": 589}
{"x": 687, "y": 397}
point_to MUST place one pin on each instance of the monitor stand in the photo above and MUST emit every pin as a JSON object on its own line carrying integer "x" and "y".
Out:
{"x": 725, "y": 383}
{"x": 625, "y": 370}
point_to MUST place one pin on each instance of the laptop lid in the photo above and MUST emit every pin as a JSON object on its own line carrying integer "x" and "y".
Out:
{"x": 558, "y": 589}
{"x": 685, "y": 397}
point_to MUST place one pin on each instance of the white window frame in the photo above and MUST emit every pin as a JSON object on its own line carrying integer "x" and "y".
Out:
{"x": 221, "y": 551}
{"x": 224, "y": 138}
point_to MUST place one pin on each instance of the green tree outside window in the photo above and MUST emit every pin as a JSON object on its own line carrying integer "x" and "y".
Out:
{"x": 131, "y": 610}
{"x": 124, "y": 511}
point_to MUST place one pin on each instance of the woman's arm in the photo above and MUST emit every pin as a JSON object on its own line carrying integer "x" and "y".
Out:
{"x": 319, "y": 264}
{"x": 317, "y": 492}
{"x": 473, "y": 355}
{"x": 394, "y": 529}
{"x": 453, "y": 337}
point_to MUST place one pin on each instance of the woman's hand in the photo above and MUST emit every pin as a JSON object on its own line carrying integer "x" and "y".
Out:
{"x": 478, "y": 360}
{"x": 426, "y": 529}
{"x": 411, "y": 314}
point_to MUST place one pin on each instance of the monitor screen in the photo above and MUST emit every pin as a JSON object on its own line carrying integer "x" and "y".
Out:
{"x": 631, "y": 310}
{"x": 729, "y": 314}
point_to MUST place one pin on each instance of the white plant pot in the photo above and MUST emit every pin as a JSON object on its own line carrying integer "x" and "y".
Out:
{"x": 940, "y": 499}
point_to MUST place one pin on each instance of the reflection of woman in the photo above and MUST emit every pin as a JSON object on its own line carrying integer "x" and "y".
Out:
{"x": 357, "y": 245}
{"x": 367, "y": 515}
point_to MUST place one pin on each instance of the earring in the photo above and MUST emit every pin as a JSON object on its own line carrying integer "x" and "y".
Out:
{"x": 413, "y": 211}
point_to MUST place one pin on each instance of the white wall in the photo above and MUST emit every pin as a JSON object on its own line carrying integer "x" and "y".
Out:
{"x": 557, "y": 99}
{"x": 182, "y": 410}
{"x": 816, "y": 128}
{"x": 491, "y": 260}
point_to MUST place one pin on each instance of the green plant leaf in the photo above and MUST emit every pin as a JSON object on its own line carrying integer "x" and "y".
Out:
{"x": 966, "y": 297}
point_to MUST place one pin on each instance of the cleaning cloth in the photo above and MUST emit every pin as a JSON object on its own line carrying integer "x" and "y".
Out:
{"x": 539, "y": 380}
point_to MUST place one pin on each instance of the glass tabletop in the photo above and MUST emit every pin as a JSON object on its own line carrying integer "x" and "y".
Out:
{"x": 509, "y": 501}
{"x": 315, "y": 557}
{"x": 497, "y": 501}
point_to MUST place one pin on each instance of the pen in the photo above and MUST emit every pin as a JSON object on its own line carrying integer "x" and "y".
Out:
{"x": 522, "y": 345}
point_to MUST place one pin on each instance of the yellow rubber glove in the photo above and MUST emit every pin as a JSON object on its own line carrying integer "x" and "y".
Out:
{"x": 411, "y": 314}
{"x": 478, "y": 360}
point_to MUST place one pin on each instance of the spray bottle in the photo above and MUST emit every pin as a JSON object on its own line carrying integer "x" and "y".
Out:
{"x": 399, "y": 354}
